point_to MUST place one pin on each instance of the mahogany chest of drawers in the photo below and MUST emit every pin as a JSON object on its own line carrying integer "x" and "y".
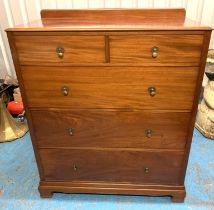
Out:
{"x": 111, "y": 98}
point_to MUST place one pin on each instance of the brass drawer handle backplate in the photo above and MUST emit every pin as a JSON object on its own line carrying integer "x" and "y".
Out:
{"x": 60, "y": 51}
{"x": 148, "y": 133}
{"x": 155, "y": 51}
{"x": 70, "y": 131}
{"x": 75, "y": 167}
{"x": 146, "y": 170}
{"x": 65, "y": 90}
{"x": 152, "y": 91}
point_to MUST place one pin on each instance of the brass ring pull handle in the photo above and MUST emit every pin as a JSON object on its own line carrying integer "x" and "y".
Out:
{"x": 60, "y": 51}
{"x": 74, "y": 167}
{"x": 65, "y": 90}
{"x": 146, "y": 170}
{"x": 70, "y": 131}
{"x": 155, "y": 51}
{"x": 152, "y": 91}
{"x": 148, "y": 133}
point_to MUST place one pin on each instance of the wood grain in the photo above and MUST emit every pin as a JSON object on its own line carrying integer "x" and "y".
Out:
{"x": 112, "y": 20}
{"x": 196, "y": 101}
{"x": 111, "y": 129}
{"x": 103, "y": 33}
{"x": 46, "y": 188}
{"x": 107, "y": 49}
{"x": 24, "y": 99}
{"x": 119, "y": 49}
{"x": 115, "y": 15}
{"x": 95, "y": 87}
{"x": 78, "y": 49}
{"x": 172, "y": 49}
{"x": 124, "y": 166}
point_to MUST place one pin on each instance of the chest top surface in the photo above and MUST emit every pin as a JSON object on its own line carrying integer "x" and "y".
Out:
{"x": 111, "y": 20}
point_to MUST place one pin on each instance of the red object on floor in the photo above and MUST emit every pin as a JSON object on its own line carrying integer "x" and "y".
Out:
{"x": 15, "y": 107}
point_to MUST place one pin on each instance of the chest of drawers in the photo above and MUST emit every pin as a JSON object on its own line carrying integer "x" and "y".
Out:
{"x": 111, "y": 98}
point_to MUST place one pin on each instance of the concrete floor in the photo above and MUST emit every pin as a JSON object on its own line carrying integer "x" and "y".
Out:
{"x": 19, "y": 180}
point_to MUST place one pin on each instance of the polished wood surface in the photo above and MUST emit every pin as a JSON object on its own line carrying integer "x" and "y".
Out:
{"x": 115, "y": 87}
{"x": 115, "y": 166}
{"x": 24, "y": 99}
{"x": 111, "y": 20}
{"x": 120, "y": 15}
{"x": 46, "y": 189}
{"x": 207, "y": 37}
{"x": 77, "y": 49}
{"x": 33, "y": 53}
{"x": 110, "y": 129}
{"x": 90, "y": 108}
{"x": 173, "y": 49}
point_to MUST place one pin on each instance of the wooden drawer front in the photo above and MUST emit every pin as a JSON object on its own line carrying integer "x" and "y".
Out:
{"x": 110, "y": 129}
{"x": 118, "y": 166}
{"x": 173, "y": 49}
{"x": 108, "y": 87}
{"x": 77, "y": 49}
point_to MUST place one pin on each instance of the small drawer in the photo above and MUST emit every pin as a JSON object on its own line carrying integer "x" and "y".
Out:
{"x": 60, "y": 49}
{"x": 166, "y": 88}
{"x": 157, "y": 50}
{"x": 114, "y": 166}
{"x": 110, "y": 129}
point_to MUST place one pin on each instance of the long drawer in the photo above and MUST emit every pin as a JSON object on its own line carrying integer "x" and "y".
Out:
{"x": 119, "y": 166}
{"x": 167, "y": 88}
{"x": 85, "y": 128}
